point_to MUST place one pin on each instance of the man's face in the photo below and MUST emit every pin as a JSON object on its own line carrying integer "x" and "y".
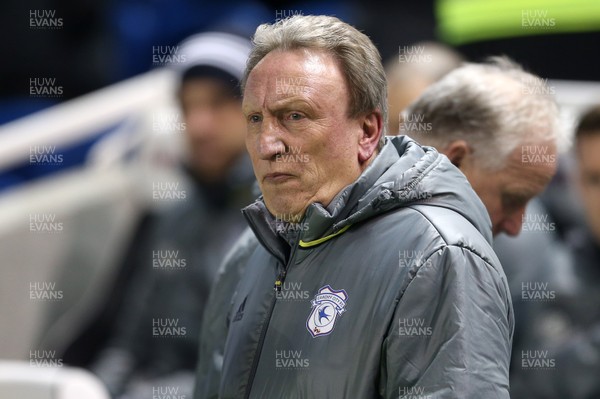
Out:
{"x": 506, "y": 192}
{"x": 303, "y": 146}
{"x": 588, "y": 148}
{"x": 214, "y": 127}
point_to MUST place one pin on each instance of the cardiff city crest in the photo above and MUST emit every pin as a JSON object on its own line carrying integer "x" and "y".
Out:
{"x": 327, "y": 305}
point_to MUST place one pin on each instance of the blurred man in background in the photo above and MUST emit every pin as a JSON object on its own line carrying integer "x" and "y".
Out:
{"x": 566, "y": 328}
{"x": 499, "y": 125}
{"x": 414, "y": 69}
{"x": 154, "y": 343}
{"x": 587, "y": 148}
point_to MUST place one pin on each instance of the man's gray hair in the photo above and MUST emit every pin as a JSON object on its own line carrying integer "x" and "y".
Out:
{"x": 359, "y": 59}
{"x": 495, "y": 107}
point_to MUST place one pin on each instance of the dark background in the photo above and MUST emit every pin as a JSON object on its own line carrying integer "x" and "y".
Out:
{"x": 103, "y": 42}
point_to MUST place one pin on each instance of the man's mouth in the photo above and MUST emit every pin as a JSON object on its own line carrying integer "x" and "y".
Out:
{"x": 277, "y": 177}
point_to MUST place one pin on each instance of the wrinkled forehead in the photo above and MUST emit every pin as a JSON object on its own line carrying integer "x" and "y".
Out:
{"x": 287, "y": 72}
{"x": 302, "y": 60}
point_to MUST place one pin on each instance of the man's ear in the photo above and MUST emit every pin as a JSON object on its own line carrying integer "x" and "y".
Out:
{"x": 457, "y": 151}
{"x": 371, "y": 131}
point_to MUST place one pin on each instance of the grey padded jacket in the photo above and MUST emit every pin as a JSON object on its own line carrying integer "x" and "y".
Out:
{"x": 392, "y": 291}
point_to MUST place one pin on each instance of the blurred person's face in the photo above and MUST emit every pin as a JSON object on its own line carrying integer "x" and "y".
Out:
{"x": 505, "y": 192}
{"x": 400, "y": 95}
{"x": 215, "y": 127}
{"x": 588, "y": 148}
{"x": 303, "y": 146}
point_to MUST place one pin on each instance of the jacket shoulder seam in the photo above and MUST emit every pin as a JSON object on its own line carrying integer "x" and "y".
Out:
{"x": 445, "y": 244}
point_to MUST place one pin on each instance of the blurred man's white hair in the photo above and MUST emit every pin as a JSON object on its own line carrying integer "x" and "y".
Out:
{"x": 494, "y": 106}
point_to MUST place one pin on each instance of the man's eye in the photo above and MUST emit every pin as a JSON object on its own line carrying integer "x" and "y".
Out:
{"x": 295, "y": 116}
{"x": 254, "y": 118}
{"x": 593, "y": 180}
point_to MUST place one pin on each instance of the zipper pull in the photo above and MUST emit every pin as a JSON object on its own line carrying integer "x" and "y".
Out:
{"x": 279, "y": 281}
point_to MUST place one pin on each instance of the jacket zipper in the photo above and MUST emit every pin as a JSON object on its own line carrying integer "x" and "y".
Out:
{"x": 276, "y": 288}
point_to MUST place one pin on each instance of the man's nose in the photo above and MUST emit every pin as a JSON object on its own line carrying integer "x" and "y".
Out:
{"x": 270, "y": 140}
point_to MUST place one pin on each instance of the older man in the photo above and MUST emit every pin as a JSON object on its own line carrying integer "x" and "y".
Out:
{"x": 499, "y": 125}
{"x": 375, "y": 276}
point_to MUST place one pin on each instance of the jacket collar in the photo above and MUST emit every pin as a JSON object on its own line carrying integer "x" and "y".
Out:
{"x": 402, "y": 174}
{"x": 319, "y": 221}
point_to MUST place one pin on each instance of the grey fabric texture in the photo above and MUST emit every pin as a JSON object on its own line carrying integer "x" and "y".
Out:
{"x": 406, "y": 297}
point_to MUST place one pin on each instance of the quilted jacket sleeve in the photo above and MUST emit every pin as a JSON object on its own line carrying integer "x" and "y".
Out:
{"x": 451, "y": 332}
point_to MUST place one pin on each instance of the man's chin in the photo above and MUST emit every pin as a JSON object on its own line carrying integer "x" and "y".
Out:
{"x": 285, "y": 211}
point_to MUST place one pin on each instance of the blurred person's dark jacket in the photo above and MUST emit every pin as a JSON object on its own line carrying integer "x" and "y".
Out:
{"x": 201, "y": 228}
{"x": 561, "y": 327}
{"x": 569, "y": 329}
